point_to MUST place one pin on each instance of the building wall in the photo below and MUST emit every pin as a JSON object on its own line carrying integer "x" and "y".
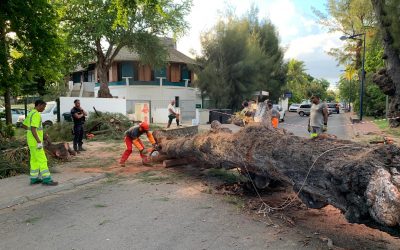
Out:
{"x": 113, "y": 72}
{"x": 87, "y": 103}
{"x": 144, "y": 73}
{"x": 158, "y": 98}
{"x": 175, "y": 72}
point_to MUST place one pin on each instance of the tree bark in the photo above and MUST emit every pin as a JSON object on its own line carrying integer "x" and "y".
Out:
{"x": 7, "y": 103}
{"x": 103, "y": 65}
{"x": 104, "y": 91}
{"x": 362, "y": 181}
{"x": 389, "y": 79}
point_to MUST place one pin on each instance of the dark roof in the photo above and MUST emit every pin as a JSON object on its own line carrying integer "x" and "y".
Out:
{"x": 173, "y": 56}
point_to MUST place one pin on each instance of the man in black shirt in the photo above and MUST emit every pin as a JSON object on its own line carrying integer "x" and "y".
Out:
{"x": 78, "y": 115}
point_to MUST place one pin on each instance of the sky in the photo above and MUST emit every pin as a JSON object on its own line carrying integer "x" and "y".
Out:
{"x": 300, "y": 34}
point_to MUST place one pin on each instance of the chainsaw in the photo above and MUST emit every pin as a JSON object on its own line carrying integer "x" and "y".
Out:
{"x": 152, "y": 154}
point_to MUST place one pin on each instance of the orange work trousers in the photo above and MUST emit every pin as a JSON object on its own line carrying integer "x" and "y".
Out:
{"x": 275, "y": 122}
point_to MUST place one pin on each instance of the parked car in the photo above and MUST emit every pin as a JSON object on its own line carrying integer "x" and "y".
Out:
{"x": 294, "y": 107}
{"x": 49, "y": 115}
{"x": 304, "y": 109}
{"x": 15, "y": 114}
{"x": 282, "y": 113}
{"x": 333, "y": 108}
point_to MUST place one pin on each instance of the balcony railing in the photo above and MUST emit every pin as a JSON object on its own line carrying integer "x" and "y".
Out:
{"x": 145, "y": 83}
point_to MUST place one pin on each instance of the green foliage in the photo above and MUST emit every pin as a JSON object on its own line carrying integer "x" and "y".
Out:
{"x": 121, "y": 23}
{"x": 59, "y": 132}
{"x": 349, "y": 18}
{"x": 374, "y": 103}
{"x": 302, "y": 85}
{"x": 31, "y": 51}
{"x": 256, "y": 64}
{"x": 115, "y": 123}
{"x": 7, "y": 131}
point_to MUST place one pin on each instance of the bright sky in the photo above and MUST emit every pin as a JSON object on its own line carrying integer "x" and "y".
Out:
{"x": 303, "y": 38}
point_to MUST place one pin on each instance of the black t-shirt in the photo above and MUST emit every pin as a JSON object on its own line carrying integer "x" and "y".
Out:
{"x": 77, "y": 121}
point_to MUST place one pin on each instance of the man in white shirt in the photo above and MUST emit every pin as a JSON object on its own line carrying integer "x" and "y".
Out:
{"x": 172, "y": 114}
{"x": 318, "y": 117}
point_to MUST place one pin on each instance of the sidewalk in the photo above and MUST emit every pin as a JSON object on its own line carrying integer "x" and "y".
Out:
{"x": 16, "y": 190}
{"x": 364, "y": 128}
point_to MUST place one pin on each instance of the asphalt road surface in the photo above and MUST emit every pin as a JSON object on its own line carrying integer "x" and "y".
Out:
{"x": 337, "y": 125}
{"x": 132, "y": 214}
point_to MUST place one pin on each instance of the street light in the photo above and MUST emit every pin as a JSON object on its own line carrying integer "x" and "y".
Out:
{"x": 362, "y": 72}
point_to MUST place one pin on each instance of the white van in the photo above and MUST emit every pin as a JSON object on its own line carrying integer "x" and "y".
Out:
{"x": 49, "y": 115}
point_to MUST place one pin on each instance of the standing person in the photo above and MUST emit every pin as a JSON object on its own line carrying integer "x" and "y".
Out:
{"x": 318, "y": 117}
{"x": 79, "y": 117}
{"x": 132, "y": 136}
{"x": 274, "y": 115}
{"x": 34, "y": 136}
{"x": 246, "y": 113}
{"x": 172, "y": 114}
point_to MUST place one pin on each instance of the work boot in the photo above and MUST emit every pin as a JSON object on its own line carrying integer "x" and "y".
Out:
{"x": 81, "y": 149}
{"x": 35, "y": 181}
{"x": 49, "y": 182}
{"x": 122, "y": 164}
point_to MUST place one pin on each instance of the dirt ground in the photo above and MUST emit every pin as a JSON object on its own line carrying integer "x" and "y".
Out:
{"x": 327, "y": 224}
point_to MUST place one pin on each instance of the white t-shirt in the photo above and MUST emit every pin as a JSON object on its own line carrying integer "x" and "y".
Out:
{"x": 171, "y": 107}
{"x": 317, "y": 115}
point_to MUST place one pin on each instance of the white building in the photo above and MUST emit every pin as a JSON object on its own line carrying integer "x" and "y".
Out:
{"x": 147, "y": 90}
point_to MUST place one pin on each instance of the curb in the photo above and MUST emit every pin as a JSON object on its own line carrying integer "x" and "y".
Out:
{"x": 43, "y": 193}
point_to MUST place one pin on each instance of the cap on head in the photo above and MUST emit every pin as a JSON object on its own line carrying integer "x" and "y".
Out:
{"x": 145, "y": 126}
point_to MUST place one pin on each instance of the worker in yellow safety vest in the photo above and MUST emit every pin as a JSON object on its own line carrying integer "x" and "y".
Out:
{"x": 34, "y": 136}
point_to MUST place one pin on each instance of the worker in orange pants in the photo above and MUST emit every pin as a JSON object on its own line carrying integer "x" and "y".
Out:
{"x": 132, "y": 136}
{"x": 274, "y": 115}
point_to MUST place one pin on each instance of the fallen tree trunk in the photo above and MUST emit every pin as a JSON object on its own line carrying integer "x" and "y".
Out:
{"x": 362, "y": 181}
{"x": 60, "y": 150}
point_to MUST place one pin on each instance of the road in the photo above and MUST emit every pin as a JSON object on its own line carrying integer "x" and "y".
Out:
{"x": 140, "y": 214}
{"x": 337, "y": 125}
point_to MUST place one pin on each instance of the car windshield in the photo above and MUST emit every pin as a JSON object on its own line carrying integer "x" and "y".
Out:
{"x": 49, "y": 107}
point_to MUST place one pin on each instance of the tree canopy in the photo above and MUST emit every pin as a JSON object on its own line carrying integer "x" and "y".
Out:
{"x": 240, "y": 56}
{"x": 99, "y": 29}
{"x": 30, "y": 48}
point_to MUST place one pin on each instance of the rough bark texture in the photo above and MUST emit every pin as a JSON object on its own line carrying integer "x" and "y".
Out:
{"x": 60, "y": 151}
{"x": 389, "y": 80}
{"x": 104, "y": 91}
{"x": 7, "y": 103}
{"x": 362, "y": 181}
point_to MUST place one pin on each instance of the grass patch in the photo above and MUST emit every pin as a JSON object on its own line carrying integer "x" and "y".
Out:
{"x": 384, "y": 126}
{"x": 112, "y": 178}
{"x": 100, "y": 205}
{"x": 96, "y": 162}
{"x": 227, "y": 176}
{"x": 154, "y": 177}
{"x": 32, "y": 220}
{"x": 238, "y": 202}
